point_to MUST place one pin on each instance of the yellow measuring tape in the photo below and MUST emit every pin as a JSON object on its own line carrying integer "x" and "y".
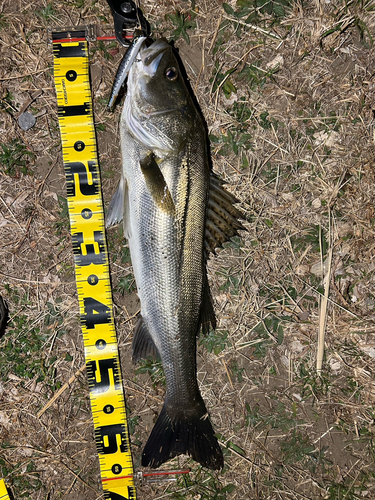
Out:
{"x": 3, "y": 491}
{"x": 91, "y": 263}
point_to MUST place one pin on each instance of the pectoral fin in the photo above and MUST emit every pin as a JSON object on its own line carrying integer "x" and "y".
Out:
{"x": 156, "y": 184}
{"x": 115, "y": 211}
{"x": 222, "y": 221}
{"x": 118, "y": 208}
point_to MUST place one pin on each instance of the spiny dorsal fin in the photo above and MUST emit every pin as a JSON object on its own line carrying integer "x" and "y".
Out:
{"x": 156, "y": 184}
{"x": 222, "y": 217}
{"x": 143, "y": 346}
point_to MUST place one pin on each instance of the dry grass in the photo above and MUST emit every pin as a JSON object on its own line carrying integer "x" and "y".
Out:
{"x": 295, "y": 143}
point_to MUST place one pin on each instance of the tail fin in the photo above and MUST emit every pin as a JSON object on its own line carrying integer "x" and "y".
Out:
{"x": 193, "y": 435}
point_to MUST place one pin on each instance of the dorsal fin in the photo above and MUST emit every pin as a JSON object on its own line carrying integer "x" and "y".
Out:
{"x": 222, "y": 221}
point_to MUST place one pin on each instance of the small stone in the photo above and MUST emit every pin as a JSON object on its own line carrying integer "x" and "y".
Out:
{"x": 316, "y": 203}
{"x": 276, "y": 61}
{"x": 26, "y": 121}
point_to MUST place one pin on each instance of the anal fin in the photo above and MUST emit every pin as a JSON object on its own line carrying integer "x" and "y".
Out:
{"x": 207, "y": 313}
{"x": 143, "y": 346}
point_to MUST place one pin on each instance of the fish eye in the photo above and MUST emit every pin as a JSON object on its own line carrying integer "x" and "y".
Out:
{"x": 171, "y": 74}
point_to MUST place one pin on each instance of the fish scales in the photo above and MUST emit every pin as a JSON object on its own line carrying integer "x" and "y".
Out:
{"x": 164, "y": 199}
{"x": 170, "y": 272}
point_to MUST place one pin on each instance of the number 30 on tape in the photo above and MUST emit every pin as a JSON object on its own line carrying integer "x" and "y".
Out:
{"x": 91, "y": 263}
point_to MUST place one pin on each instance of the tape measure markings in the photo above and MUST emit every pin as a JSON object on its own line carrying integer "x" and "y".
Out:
{"x": 91, "y": 261}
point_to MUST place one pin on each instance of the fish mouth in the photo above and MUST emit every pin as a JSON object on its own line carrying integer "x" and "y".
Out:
{"x": 152, "y": 55}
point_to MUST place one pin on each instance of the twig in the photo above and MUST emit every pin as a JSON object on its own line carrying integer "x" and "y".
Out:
{"x": 226, "y": 369}
{"x": 24, "y": 75}
{"x": 252, "y": 26}
{"x": 323, "y": 312}
{"x": 61, "y": 390}
{"x": 215, "y": 35}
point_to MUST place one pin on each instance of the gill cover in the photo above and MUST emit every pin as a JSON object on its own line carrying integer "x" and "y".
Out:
{"x": 158, "y": 110}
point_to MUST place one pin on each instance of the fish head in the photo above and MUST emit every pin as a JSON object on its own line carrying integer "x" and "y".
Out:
{"x": 158, "y": 111}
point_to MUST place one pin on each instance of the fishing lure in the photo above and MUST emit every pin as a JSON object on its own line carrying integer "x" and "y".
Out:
{"x": 124, "y": 68}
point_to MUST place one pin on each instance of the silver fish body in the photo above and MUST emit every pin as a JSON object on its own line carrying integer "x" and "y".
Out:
{"x": 165, "y": 197}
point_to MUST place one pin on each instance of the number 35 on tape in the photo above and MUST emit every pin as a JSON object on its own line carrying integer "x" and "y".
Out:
{"x": 91, "y": 263}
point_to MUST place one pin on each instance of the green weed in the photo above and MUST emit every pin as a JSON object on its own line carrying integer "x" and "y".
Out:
{"x": 132, "y": 427}
{"x": 234, "y": 243}
{"x": 232, "y": 282}
{"x": 3, "y": 22}
{"x": 104, "y": 48}
{"x": 203, "y": 486}
{"x": 351, "y": 15}
{"x": 223, "y": 36}
{"x": 63, "y": 223}
{"x": 22, "y": 478}
{"x": 271, "y": 326}
{"x": 78, "y": 4}
{"x": 266, "y": 123}
{"x": 255, "y": 76}
{"x": 183, "y": 23}
{"x": 117, "y": 249}
{"x": 313, "y": 236}
{"x": 21, "y": 348}
{"x": 6, "y": 103}
{"x": 222, "y": 80}
{"x": 241, "y": 112}
{"x": 234, "y": 141}
{"x": 215, "y": 341}
{"x": 296, "y": 448}
{"x": 353, "y": 389}
{"x": 279, "y": 417}
{"x": 152, "y": 368}
{"x": 48, "y": 13}
{"x": 349, "y": 488}
{"x": 236, "y": 371}
{"x": 313, "y": 384}
{"x": 126, "y": 284}
{"x": 250, "y": 10}
{"x": 16, "y": 158}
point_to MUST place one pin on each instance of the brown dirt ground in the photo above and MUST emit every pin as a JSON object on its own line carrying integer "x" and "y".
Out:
{"x": 295, "y": 142}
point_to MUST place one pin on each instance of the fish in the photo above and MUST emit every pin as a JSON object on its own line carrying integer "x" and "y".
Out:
{"x": 175, "y": 213}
